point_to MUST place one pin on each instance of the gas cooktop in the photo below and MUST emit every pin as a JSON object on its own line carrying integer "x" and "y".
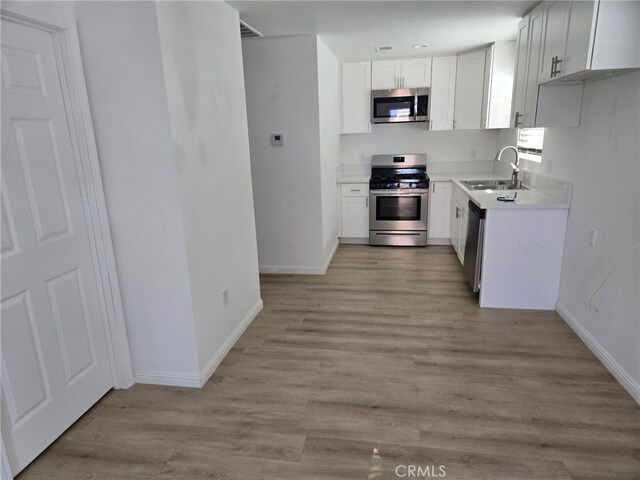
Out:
{"x": 392, "y": 172}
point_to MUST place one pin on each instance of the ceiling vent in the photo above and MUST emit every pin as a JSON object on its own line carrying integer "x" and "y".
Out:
{"x": 387, "y": 48}
{"x": 247, "y": 31}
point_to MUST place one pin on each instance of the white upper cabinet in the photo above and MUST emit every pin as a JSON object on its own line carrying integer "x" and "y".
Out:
{"x": 386, "y": 74}
{"x": 416, "y": 72}
{"x": 356, "y": 97}
{"x": 588, "y": 39}
{"x": 400, "y": 73}
{"x": 535, "y": 105}
{"x": 442, "y": 97}
{"x": 469, "y": 90}
{"x": 555, "y": 22}
{"x": 519, "y": 83}
{"x": 498, "y": 85}
{"x": 484, "y": 87}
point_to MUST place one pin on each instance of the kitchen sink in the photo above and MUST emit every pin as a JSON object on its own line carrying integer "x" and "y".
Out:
{"x": 491, "y": 185}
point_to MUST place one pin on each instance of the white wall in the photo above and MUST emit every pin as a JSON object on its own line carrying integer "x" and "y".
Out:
{"x": 440, "y": 146}
{"x": 600, "y": 286}
{"x": 329, "y": 89}
{"x": 202, "y": 60}
{"x": 123, "y": 69}
{"x": 281, "y": 79}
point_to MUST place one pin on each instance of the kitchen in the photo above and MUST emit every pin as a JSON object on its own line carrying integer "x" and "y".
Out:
{"x": 361, "y": 356}
{"x": 471, "y": 115}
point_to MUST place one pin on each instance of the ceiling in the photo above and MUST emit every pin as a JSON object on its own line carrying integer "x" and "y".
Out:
{"x": 353, "y": 29}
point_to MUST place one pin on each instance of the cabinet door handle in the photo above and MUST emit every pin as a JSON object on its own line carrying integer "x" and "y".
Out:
{"x": 554, "y": 66}
{"x": 433, "y": 188}
{"x": 457, "y": 212}
{"x": 367, "y": 202}
{"x": 355, "y": 189}
{"x": 517, "y": 119}
{"x": 557, "y": 70}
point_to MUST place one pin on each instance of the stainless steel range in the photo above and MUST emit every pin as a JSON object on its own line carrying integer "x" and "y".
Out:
{"x": 399, "y": 200}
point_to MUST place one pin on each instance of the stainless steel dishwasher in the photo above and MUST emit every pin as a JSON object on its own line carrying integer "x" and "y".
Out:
{"x": 473, "y": 247}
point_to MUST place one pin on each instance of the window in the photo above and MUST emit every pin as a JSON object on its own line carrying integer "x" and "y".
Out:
{"x": 530, "y": 142}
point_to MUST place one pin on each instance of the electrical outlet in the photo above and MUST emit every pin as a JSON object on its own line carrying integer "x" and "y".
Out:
{"x": 225, "y": 296}
{"x": 593, "y": 233}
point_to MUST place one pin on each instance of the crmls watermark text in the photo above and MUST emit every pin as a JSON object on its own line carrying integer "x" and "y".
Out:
{"x": 420, "y": 471}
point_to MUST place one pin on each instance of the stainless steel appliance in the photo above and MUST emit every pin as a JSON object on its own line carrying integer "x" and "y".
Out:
{"x": 399, "y": 200}
{"x": 400, "y": 105}
{"x": 473, "y": 248}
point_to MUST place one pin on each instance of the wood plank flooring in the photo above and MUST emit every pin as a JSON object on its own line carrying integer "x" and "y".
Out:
{"x": 389, "y": 350}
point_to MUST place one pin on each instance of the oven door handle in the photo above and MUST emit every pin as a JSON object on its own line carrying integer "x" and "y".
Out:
{"x": 398, "y": 194}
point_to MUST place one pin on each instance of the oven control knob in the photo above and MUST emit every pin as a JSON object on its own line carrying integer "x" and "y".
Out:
{"x": 413, "y": 185}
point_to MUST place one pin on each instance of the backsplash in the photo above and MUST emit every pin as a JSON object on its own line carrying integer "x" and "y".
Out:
{"x": 468, "y": 146}
{"x": 554, "y": 187}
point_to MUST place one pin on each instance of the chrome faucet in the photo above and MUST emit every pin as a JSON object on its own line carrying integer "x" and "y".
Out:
{"x": 515, "y": 166}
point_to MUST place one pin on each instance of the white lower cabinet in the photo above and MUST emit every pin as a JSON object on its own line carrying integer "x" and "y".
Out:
{"x": 439, "y": 228}
{"x": 354, "y": 212}
{"x": 459, "y": 218}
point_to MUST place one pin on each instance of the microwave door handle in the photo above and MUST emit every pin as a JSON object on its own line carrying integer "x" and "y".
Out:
{"x": 415, "y": 107}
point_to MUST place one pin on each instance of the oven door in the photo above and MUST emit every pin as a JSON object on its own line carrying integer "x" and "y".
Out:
{"x": 398, "y": 210}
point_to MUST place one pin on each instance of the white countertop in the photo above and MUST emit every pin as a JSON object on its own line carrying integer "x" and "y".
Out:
{"x": 488, "y": 199}
{"x": 531, "y": 198}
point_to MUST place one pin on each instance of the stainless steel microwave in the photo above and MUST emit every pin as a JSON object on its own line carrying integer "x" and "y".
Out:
{"x": 400, "y": 105}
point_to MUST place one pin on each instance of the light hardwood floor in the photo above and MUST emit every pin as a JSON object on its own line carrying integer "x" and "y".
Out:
{"x": 389, "y": 350}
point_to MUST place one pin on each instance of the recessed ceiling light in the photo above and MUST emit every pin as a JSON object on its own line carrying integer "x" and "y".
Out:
{"x": 420, "y": 45}
{"x": 387, "y": 48}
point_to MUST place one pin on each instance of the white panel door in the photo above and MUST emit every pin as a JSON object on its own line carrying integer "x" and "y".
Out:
{"x": 443, "y": 87}
{"x": 55, "y": 363}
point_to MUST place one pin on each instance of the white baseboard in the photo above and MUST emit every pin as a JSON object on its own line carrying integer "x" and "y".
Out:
{"x": 327, "y": 262}
{"x": 301, "y": 270}
{"x": 629, "y": 384}
{"x": 212, "y": 364}
{"x": 354, "y": 241}
{"x": 195, "y": 380}
{"x": 170, "y": 379}
{"x": 284, "y": 270}
{"x": 438, "y": 241}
